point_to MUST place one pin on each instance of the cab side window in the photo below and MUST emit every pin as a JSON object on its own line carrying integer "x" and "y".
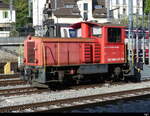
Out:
{"x": 72, "y": 33}
{"x": 114, "y": 35}
{"x": 96, "y": 31}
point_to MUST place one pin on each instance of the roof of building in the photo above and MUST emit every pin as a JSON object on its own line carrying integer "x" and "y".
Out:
{"x": 4, "y": 5}
{"x": 69, "y": 9}
{"x": 100, "y": 13}
{"x": 67, "y": 12}
{"x": 102, "y": 2}
{"x": 62, "y": 11}
{"x": 70, "y": 1}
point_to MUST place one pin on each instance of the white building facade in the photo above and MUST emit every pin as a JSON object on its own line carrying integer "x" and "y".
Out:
{"x": 38, "y": 7}
{"x": 6, "y": 19}
{"x": 85, "y": 7}
{"x": 90, "y": 10}
{"x": 120, "y": 8}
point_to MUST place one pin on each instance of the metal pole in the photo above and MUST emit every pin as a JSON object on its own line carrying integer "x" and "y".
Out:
{"x": 149, "y": 36}
{"x": 130, "y": 10}
{"x": 137, "y": 46}
{"x": 137, "y": 38}
{"x": 29, "y": 8}
{"x": 143, "y": 39}
{"x": 55, "y": 4}
{"x": 108, "y": 8}
{"x": 10, "y": 7}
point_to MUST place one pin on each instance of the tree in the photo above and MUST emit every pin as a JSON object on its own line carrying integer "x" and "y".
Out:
{"x": 146, "y": 6}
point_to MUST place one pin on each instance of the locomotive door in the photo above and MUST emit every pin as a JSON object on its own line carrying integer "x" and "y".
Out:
{"x": 114, "y": 45}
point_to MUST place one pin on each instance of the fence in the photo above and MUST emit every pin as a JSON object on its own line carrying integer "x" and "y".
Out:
{"x": 11, "y": 40}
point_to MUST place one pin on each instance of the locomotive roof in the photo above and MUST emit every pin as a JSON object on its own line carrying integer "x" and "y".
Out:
{"x": 78, "y": 25}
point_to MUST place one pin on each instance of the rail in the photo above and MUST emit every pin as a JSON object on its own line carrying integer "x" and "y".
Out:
{"x": 59, "y": 105}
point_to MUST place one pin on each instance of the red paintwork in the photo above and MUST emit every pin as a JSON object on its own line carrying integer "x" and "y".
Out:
{"x": 76, "y": 51}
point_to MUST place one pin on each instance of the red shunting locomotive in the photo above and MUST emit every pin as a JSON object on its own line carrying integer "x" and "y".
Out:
{"x": 93, "y": 49}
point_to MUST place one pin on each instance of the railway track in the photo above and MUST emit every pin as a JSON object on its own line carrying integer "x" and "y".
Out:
{"x": 10, "y": 76}
{"x": 13, "y": 79}
{"x": 29, "y": 90}
{"x": 60, "y": 105}
{"x": 12, "y": 82}
{"x": 21, "y": 91}
{"x": 32, "y": 90}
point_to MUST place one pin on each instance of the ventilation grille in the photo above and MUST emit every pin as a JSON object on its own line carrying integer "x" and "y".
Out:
{"x": 97, "y": 53}
{"x": 88, "y": 53}
{"x": 30, "y": 52}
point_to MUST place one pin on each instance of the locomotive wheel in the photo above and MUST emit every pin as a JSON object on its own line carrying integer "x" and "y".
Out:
{"x": 117, "y": 74}
{"x": 101, "y": 79}
{"x": 78, "y": 78}
{"x": 77, "y": 82}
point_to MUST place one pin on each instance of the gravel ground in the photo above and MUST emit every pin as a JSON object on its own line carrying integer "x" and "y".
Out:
{"x": 5, "y": 57}
{"x": 50, "y": 96}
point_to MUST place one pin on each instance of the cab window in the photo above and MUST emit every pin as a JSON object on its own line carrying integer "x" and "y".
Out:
{"x": 72, "y": 33}
{"x": 114, "y": 35}
{"x": 96, "y": 31}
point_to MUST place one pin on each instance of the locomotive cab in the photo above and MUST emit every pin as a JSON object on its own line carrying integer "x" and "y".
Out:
{"x": 87, "y": 30}
{"x": 82, "y": 30}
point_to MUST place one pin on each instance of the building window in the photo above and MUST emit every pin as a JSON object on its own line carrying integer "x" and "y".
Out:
{"x": 69, "y": 6}
{"x": 98, "y": 6}
{"x": 124, "y": 2}
{"x": 85, "y": 16}
{"x": 5, "y": 28}
{"x": 124, "y": 11}
{"x": 76, "y": 13}
{"x": 96, "y": 31}
{"x": 137, "y": 11}
{"x": 85, "y": 6}
{"x": 5, "y": 14}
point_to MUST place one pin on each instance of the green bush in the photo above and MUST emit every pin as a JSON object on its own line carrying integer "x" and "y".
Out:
{"x": 14, "y": 33}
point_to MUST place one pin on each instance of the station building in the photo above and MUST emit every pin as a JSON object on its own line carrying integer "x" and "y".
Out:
{"x": 6, "y": 19}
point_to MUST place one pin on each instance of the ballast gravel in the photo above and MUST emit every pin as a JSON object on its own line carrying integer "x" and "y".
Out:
{"x": 51, "y": 96}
